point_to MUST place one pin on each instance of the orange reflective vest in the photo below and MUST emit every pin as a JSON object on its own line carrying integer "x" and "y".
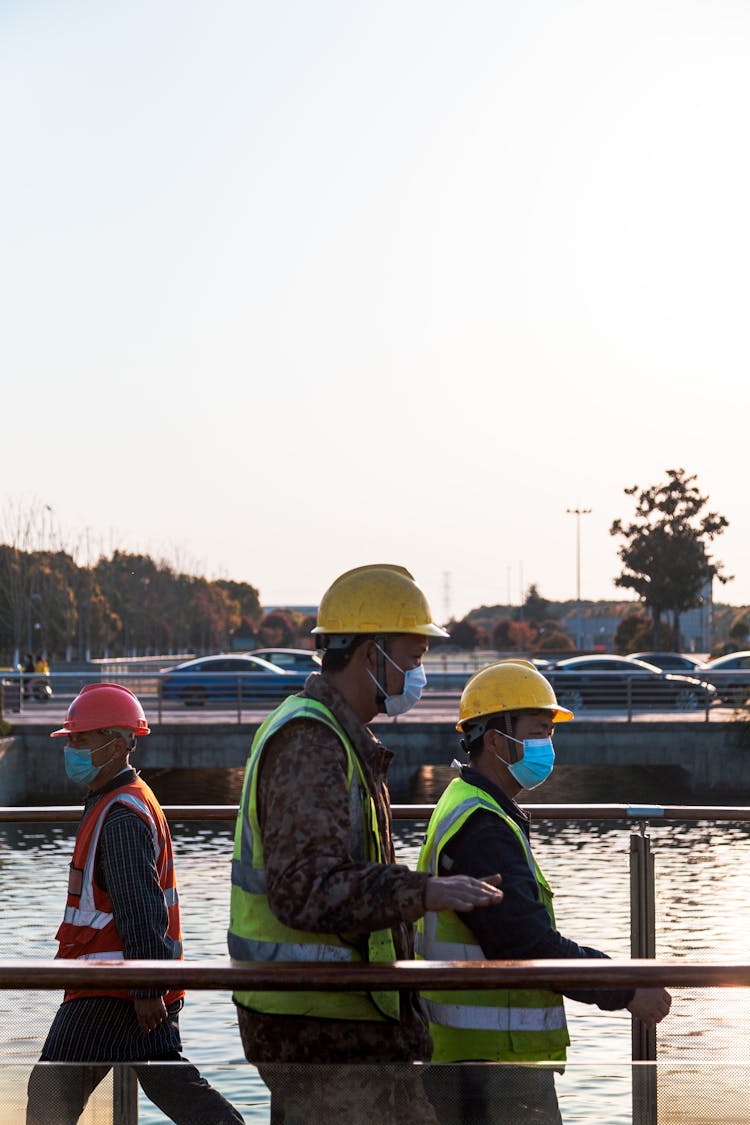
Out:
{"x": 88, "y": 929}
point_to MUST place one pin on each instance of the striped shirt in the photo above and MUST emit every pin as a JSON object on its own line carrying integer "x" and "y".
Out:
{"x": 105, "y": 1028}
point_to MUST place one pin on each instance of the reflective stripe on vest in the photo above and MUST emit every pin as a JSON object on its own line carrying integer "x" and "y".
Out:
{"x": 86, "y": 914}
{"x": 88, "y": 929}
{"x": 495, "y": 1019}
{"x": 501, "y": 1024}
{"x": 256, "y": 934}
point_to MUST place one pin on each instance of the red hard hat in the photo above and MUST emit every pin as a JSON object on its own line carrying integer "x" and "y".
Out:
{"x": 101, "y": 706}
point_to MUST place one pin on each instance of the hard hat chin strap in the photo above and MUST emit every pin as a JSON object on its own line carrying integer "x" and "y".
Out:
{"x": 478, "y": 729}
{"x": 380, "y": 675}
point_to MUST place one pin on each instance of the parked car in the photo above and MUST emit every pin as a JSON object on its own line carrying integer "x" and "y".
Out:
{"x": 610, "y": 681}
{"x": 228, "y": 677}
{"x": 290, "y": 659}
{"x": 731, "y": 675}
{"x": 668, "y": 661}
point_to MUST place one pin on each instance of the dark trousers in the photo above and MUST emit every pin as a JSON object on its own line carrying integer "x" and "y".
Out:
{"x": 346, "y": 1094}
{"x": 102, "y": 1031}
{"x": 492, "y": 1094}
{"x": 58, "y": 1093}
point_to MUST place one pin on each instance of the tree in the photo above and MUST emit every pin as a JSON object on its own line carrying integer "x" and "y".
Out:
{"x": 245, "y": 596}
{"x": 276, "y": 630}
{"x": 555, "y": 640}
{"x": 738, "y": 634}
{"x": 514, "y": 635}
{"x": 635, "y": 633}
{"x": 464, "y": 635}
{"x": 665, "y": 556}
{"x": 536, "y": 609}
{"x": 501, "y": 635}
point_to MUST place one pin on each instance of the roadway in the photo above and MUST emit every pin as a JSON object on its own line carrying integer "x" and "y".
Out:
{"x": 443, "y": 708}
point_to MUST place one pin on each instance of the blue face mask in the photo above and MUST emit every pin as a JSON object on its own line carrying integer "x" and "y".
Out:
{"x": 536, "y": 763}
{"x": 414, "y": 681}
{"x": 78, "y": 764}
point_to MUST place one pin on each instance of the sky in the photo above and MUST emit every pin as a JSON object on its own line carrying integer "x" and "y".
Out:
{"x": 288, "y": 288}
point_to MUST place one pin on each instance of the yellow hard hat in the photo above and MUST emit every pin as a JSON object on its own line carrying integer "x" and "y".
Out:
{"x": 510, "y": 685}
{"x": 379, "y": 598}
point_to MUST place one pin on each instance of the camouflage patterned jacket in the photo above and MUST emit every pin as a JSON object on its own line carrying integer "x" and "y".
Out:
{"x": 314, "y": 883}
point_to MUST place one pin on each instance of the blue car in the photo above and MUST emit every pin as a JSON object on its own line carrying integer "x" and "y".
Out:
{"x": 229, "y": 678}
{"x": 290, "y": 659}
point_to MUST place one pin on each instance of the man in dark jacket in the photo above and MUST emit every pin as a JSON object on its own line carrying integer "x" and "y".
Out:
{"x": 507, "y": 713}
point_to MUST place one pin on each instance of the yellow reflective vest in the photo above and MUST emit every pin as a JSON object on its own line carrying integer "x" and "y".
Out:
{"x": 256, "y": 934}
{"x": 521, "y": 1025}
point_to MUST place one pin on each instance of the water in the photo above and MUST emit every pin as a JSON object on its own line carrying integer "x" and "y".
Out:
{"x": 703, "y": 913}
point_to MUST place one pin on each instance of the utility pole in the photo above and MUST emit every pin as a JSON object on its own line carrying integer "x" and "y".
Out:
{"x": 447, "y": 597}
{"x": 578, "y": 512}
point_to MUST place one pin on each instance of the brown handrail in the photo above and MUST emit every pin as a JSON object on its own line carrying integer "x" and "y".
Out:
{"x": 72, "y": 813}
{"x": 20, "y": 973}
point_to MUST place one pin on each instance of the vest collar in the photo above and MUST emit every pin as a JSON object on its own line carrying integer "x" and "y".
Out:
{"x": 507, "y": 804}
{"x": 124, "y": 777}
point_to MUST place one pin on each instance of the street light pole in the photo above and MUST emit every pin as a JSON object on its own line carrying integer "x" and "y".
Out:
{"x": 578, "y": 512}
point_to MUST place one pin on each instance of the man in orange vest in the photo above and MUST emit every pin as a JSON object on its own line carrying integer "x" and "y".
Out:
{"x": 122, "y": 905}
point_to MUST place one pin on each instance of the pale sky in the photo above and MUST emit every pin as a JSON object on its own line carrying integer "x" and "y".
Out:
{"x": 291, "y": 287}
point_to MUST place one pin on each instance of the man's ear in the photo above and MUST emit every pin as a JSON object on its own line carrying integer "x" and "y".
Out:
{"x": 497, "y": 743}
{"x": 492, "y": 741}
{"x": 366, "y": 655}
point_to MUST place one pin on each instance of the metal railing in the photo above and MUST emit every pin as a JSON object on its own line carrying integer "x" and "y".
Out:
{"x": 215, "y": 975}
{"x": 180, "y": 698}
{"x": 642, "y": 970}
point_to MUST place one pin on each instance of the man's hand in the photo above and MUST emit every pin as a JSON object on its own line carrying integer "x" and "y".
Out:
{"x": 650, "y": 1005}
{"x": 461, "y": 892}
{"x": 150, "y": 1011}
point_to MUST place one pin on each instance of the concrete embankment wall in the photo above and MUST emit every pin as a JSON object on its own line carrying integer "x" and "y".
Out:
{"x": 658, "y": 762}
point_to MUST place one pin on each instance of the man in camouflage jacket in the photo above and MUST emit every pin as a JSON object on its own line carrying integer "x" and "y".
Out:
{"x": 373, "y": 627}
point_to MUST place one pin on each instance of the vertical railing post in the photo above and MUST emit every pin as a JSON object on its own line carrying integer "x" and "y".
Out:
{"x": 124, "y": 1096}
{"x": 643, "y": 944}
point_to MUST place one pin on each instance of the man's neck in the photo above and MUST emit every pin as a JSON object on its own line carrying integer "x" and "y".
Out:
{"x": 354, "y": 692}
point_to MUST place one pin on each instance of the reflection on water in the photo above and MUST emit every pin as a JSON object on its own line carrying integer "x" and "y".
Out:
{"x": 196, "y": 787}
{"x": 582, "y": 785}
{"x": 703, "y": 913}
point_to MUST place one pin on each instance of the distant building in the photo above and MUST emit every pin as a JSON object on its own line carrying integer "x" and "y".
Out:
{"x": 696, "y": 625}
{"x": 597, "y": 629}
{"x": 599, "y": 625}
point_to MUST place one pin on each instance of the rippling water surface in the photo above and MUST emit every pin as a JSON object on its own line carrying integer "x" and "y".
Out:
{"x": 703, "y": 913}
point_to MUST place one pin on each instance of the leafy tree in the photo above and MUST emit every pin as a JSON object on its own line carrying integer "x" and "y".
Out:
{"x": 501, "y": 635}
{"x": 554, "y": 640}
{"x": 464, "y": 635}
{"x": 536, "y": 609}
{"x": 665, "y": 554}
{"x": 519, "y": 636}
{"x": 246, "y": 597}
{"x": 304, "y": 632}
{"x": 738, "y": 634}
{"x": 276, "y": 630}
{"x": 635, "y": 633}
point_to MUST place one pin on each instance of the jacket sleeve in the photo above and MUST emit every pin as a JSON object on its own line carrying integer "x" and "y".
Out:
{"x": 313, "y": 880}
{"x": 127, "y": 869}
{"x": 519, "y": 927}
